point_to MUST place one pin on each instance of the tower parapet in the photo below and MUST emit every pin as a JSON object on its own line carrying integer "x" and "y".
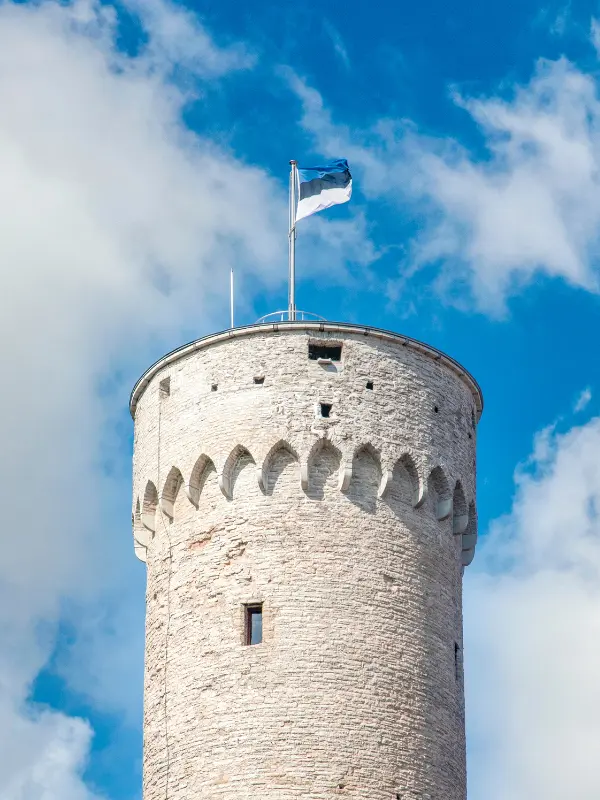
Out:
{"x": 323, "y": 475}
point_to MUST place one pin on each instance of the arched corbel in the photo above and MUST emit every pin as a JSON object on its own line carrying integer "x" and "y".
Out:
{"x": 345, "y": 475}
{"x": 140, "y": 551}
{"x": 167, "y": 507}
{"x": 149, "y": 521}
{"x": 420, "y": 495}
{"x": 260, "y": 479}
{"x": 444, "y": 508}
{"x": 225, "y": 484}
{"x": 387, "y": 475}
{"x": 304, "y": 475}
{"x": 460, "y": 523}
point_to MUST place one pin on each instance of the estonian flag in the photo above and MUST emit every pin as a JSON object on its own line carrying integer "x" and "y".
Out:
{"x": 321, "y": 187}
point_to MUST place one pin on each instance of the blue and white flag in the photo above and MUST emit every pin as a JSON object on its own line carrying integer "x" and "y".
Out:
{"x": 321, "y": 187}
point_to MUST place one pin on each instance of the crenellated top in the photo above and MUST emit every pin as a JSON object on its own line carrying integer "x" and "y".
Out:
{"x": 403, "y": 476}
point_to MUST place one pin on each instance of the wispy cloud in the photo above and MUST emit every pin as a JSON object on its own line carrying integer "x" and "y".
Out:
{"x": 583, "y": 400}
{"x": 595, "y": 34}
{"x": 338, "y": 43}
{"x": 178, "y": 37}
{"x": 527, "y": 205}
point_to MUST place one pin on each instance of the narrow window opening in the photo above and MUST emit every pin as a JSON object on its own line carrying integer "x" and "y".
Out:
{"x": 165, "y": 387}
{"x": 325, "y": 409}
{"x": 214, "y": 387}
{"x": 259, "y": 380}
{"x": 456, "y": 661}
{"x": 370, "y": 385}
{"x": 253, "y": 624}
{"x": 473, "y": 422}
{"x": 329, "y": 352}
{"x": 436, "y": 409}
{"x": 470, "y": 436}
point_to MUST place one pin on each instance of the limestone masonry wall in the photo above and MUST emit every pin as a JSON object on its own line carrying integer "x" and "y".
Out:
{"x": 352, "y": 531}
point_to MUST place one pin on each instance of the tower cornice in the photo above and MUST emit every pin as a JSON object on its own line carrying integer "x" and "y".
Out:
{"x": 309, "y": 327}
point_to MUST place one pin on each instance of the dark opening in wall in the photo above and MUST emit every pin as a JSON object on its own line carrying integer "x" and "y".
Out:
{"x": 253, "y": 624}
{"x": 370, "y": 385}
{"x": 436, "y": 409}
{"x": 325, "y": 409}
{"x": 259, "y": 380}
{"x": 165, "y": 387}
{"x": 214, "y": 387}
{"x": 456, "y": 661}
{"x": 330, "y": 352}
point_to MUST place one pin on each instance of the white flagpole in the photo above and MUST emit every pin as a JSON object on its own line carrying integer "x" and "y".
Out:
{"x": 231, "y": 296}
{"x": 292, "y": 241}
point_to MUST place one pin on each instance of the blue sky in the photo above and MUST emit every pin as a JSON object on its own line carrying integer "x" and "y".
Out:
{"x": 144, "y": 148}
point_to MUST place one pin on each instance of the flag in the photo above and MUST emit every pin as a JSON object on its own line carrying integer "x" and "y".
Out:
{"x": 321, "y": 187}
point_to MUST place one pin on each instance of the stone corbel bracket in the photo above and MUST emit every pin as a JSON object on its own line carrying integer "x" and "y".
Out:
{"x": 345, "y": 474}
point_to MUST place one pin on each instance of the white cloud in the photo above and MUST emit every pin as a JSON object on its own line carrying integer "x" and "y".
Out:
{"x": 44, "y": 755}
{"x": 532, "y": 615}
{"x": 526, "y": 204}
{"x": 117, "y": 228}
{"x": 583, "y": 400}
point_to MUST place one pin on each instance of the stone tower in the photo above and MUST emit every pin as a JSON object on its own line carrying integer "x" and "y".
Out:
{"x": 304, "y": 498}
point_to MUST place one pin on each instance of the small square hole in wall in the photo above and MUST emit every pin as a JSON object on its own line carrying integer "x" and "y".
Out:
{"x": 325, "y": 409}
{"x": 370, "y": 385}
{"x": 259, "y": 380}
{"x": 165, "y": 387}
{"x": 214, "y": 387}
{"x": 253, "y": 623}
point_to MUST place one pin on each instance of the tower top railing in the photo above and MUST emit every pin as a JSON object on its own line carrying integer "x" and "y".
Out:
{"x": 290, "y": 316}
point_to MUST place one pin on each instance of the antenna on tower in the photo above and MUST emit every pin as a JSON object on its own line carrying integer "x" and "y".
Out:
{"x": 231, "y": 297}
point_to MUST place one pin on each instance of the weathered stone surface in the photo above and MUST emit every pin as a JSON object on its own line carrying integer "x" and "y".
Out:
{"x": 245, "y": 494}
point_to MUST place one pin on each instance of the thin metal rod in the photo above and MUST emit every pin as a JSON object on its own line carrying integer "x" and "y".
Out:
{"x": 292, "y": 241}
{"x": 231, "y": 296}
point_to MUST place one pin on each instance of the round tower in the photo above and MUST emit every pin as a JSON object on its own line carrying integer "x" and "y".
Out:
{"x": 304, "y": 498}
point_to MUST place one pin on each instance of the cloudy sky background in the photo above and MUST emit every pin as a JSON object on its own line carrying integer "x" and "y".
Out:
{"x": 143, "y": 151}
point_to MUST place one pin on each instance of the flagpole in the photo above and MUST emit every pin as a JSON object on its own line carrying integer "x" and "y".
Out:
{"x": 292, "y": 242}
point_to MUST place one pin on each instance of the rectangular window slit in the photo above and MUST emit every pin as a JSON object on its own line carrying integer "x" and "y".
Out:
{"x": 165, "y": 387}
{"x": 369, "y": 384}
{"x": 456, "y": 661}
{"x": 259, "y": 380}
{"x": 329, "y": 352}
{"x": 253, "y": 624}
{"x": 325, "y": 409}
